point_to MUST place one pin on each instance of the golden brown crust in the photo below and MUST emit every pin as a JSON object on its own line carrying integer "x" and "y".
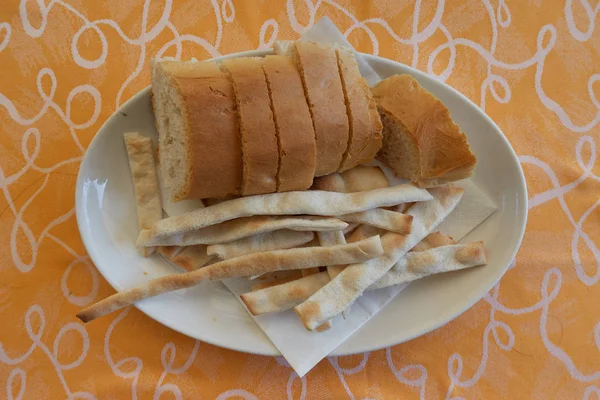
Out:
{"x": 259, "y": 140}
{"x": 325, "y": 96}
{"x": 296, "y": 135}
{"x": 365, "y": 125}
{"x": 212, "y": 129}
{"x": 444, "y": 152}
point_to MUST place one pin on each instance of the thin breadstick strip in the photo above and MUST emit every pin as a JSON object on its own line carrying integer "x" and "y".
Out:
{"x": 332, "y": 239}
{"x": 251, "y": 264}
{"x": 169, "y": 251}
{"x": 346, "y": 287}
{"x": 145, "y": 181}
{"x": 277, "y": 240}
{"x": 290, "y": 203}
{"x": 325, "y": 326}
{"x": 417, "y": 265}
{"x": 414, "y": 265}
{"x": 275, "y": 282}
{"x": 192, "y": 257}
{"x": 381, "y": 218}
{"x": 363, "y": 232}
{"x": 284, "y": 296}
{"x": 229, "y": 231}
{"x": 310, "y": 271}
{"x": 350, "y": 229}
{"x": 434, "y": 239}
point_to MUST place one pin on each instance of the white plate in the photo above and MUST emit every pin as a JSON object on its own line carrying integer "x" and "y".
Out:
{"x": 107, "y": 221}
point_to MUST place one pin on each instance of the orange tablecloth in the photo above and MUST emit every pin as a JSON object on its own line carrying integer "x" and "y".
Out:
{"x": 66, "y": 66}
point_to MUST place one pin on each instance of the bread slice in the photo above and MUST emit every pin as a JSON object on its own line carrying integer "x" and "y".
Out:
{"x": 260, "y": 153}
{"x": 295, "y": 133}
{"x": 420, "y": 140}
{"x": 365, "y": 136}
{"x": 323, "y": 89}
{"x": 197, "y": 128}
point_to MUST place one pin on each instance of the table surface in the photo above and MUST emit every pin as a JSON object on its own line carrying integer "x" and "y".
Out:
{"x": 68, "y": 65}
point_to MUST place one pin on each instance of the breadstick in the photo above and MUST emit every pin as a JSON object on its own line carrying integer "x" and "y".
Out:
{"x": 290, "y": 203}
{"x": 284, "y": 296}
{"x": 229, "y": 231}
{"x": 277, "y": 240}
{"x": 346, "y": 287}
{"x": 385, "y": 219}
{"x": 251, "y": 264}
{"x": 419, "y": 264}
{"x": 434, "y": 239}
{"x": 192, "y": 257}
{"x": 145, "y": 181}
{"x": 415, "y": 265}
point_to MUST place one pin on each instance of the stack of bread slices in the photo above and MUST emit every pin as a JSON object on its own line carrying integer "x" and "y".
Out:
{"x": 251, "y": 125}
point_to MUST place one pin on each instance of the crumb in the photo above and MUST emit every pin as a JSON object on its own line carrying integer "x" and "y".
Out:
{"x": 145, "y": 273}
{"x": 123, "y": 114}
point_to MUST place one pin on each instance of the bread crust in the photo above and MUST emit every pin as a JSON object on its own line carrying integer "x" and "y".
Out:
{"x": 296, "y": 135}
{"x": 444, "y": 152}
{"x": 260, "y": 153}
{"x": 365, "y": 137}
{"x": 208, "y": 109}
{"x": 325, "y": 95}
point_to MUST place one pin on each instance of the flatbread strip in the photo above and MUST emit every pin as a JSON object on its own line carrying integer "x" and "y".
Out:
{"x": 277, "y": 240}
{"x": 192, "y": 257}
{"x": 229, "y": 231}
{"x": 345, "y": 288}
{"x": 290, "y": 203}
{"x": 332, "y": 239}
{"x": 283, "y": 296}
{"x": 287, "y": 294}
{"x": 434, "y": 239}
{"x": 419, "y": 264}
{"x": 145, "y": 181}
{"x": 381, "y": 218}
{"x": 291, "y": 276}
{"x": 251, "y": 264}
{"x": 169, "y": 251}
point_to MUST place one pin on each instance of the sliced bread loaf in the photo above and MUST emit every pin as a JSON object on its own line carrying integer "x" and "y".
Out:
{"x": 365, "y": 136}
{"x": 295, "y": 133}
{"x": 260, "y": 153}
{"x": 198, "y": 130}
{"x": 323, "y": 89}
{"x": 420, "y": 140}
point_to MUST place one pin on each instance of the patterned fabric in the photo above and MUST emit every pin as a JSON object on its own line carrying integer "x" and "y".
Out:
{"x": 533, "y": 66}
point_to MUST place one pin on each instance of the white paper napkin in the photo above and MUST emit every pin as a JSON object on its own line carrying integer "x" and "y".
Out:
{"x": 304, "y": 349}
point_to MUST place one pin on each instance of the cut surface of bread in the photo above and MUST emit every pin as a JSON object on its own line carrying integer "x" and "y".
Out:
{"x": 260, "y": 152}
{"x": 420, "y": 141}
{"x": 295, "y": 133}
{"x": 323, "y": 89}
{"x": 365, "y": 136}
{"x": 198, "y": 131}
